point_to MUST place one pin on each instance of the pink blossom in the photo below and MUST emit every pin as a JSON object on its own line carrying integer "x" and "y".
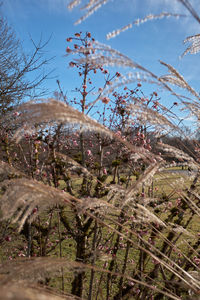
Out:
{"x": 89, "y": 152}
{"x": 104, "y": 171}
{"x": 37, "y": 142}
{"x": 196, "y": 260}
{"x": 105, "y": 100}
{"x": 169, "y": 204}
{"x": 20, "y": 254}
{"x": 118, "y": 133}
{"x": 75, "y": 143}
{"x": 178, "y": 201}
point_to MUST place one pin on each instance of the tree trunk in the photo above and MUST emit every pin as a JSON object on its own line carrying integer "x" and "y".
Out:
{"x": 77, "y": 284}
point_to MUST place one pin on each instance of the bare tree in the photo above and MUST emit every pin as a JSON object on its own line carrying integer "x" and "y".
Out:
{"x": 16, "y": 68}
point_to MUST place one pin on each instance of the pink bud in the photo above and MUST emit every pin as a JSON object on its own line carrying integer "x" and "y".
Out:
{"x": 34, "y": 210}
{"x": 8, "y": 238}
{"x": 68, "y": 50}
{"x": 71, "y": 64}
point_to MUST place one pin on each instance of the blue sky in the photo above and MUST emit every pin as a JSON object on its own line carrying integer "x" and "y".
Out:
{"x": 146, "y": 44}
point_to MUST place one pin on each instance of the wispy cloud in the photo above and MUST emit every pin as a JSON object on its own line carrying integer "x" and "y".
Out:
{"x": 24, "y": 8}
{"x": 172, "y": 5}
{"x": 56, "y": 6}
{"x": 190, "y": 24}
